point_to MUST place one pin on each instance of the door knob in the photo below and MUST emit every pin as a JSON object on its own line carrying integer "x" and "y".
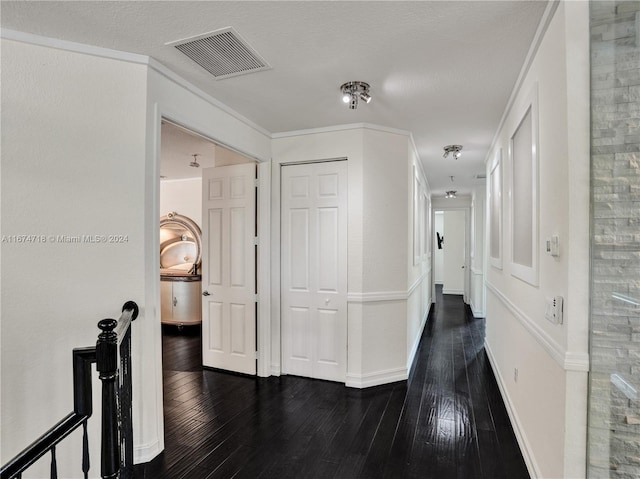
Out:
{"x": 462, "y": 266}
{"x": 327, "y": 301}
{"x": 206, "y": 293}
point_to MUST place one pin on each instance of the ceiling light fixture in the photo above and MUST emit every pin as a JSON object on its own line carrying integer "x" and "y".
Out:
{"x": 194, "y": 163}
{"x": 353, "y": 91}
{"x": 450, "y": 194}
{"x": 454, "y": 149}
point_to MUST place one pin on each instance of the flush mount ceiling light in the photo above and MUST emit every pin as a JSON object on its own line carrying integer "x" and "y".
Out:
{"x": 450, "y": 194}
{"x": 194, "y": 163}
{"x": 353, "y": 91}
{"x": 454, "y": 149}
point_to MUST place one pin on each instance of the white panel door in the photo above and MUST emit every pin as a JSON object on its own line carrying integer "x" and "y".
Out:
{"x": 314, "y": 270}
{"x": 454, "y": 257}
{"x": 229, "y": 268}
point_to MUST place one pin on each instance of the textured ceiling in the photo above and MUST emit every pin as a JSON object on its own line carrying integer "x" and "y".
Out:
{"x": 176, "y": 153}
{"x": 442, "y": 70}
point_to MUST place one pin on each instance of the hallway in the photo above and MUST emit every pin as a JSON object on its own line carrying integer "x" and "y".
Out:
{"x": 448, "y": 421}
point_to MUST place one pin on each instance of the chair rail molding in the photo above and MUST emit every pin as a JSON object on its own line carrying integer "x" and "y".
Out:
{"x": 568, "y": 360}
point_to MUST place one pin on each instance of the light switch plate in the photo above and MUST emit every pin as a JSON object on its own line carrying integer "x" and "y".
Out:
{"x": 554, "y": 309}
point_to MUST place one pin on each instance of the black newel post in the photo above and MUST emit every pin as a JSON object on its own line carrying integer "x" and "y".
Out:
{"x": 107, "y": 365}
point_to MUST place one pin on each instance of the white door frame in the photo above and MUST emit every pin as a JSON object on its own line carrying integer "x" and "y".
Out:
{"x": 467, "y": 251}
{"x": 263, "y": 217}
{"x": 152, "y": 219}
{"x": 276, "y": 278}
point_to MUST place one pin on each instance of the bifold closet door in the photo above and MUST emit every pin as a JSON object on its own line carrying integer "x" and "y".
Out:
{"x": 314, "y": 270}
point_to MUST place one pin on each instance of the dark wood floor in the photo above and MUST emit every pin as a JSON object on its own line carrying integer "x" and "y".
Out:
{"x": 447, "y": 421}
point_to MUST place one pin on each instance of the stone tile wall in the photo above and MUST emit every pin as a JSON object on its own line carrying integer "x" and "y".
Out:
{"x": 614, "y": 406}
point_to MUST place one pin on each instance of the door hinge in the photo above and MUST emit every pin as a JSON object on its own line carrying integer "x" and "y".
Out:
{"x": 255, "y": 182}
{"x": 255, "y": 298}
{"x": 255, "y": 241}
{"x": 256, "y": 355}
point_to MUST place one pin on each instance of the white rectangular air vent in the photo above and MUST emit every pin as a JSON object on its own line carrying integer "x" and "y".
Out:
{"x": 223, "y": 53}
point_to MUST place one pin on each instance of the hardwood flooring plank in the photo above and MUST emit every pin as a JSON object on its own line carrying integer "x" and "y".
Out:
{"x": 232, "y": 464}
{"x": 380, "y": 449}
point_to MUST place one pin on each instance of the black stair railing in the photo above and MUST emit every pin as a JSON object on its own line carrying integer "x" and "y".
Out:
{"x": 113, "y": 349}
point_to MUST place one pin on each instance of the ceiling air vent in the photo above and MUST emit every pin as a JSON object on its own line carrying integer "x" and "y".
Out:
{"x": 223, "y": 53}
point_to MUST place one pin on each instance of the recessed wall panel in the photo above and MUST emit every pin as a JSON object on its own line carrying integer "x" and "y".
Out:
{"x": 236, "y": 246}
{"x": 522, "y": 165}
{"x": 300, "y": 332}
{"x": 238, "y": 329}
{"x": 215, "y": 327}
{"x": 214, "y": 247}
{"x": 328, "y": 249}
{"x": 299, "y": 187}
{"x": 237, "y": 187}
{"x": 299, "y": 244}
{"x": 328, "y": 185}
{"x": 327, "y": 329}
{"x": 495, "y": 211}
{"x": 215, "y": 189}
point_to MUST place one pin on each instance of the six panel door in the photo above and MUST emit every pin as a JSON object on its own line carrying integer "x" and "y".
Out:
{"x": 229, "y": 268}
{"x": 314, "y": 270}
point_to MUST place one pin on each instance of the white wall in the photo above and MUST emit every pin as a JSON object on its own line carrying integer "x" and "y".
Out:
{"x": 90, "y": 126}
{"x": 386, "y": 218}
{"x": 385, "y": 251}
{"x": 548, "y": 401}
{"x": 73, "y": 149}
{"x": 183, "y": 197}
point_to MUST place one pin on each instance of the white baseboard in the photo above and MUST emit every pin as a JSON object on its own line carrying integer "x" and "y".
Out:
{"x": 375, "y": 379}
{"x": 477, "y": 313}
{"x": 416, "y": 342}
{"x": 453, "y": 291}
{"x": 525, "y": 448}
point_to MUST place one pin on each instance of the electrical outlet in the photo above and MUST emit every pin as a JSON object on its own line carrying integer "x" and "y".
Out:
{"x": 515, "y": 375}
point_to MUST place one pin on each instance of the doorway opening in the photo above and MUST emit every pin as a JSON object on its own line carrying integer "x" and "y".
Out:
{"x": 450, "y": 252}
{"x": 187, "y": 161}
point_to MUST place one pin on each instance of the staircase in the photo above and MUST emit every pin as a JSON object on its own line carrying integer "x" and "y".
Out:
{"x": 112, "y": 355}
